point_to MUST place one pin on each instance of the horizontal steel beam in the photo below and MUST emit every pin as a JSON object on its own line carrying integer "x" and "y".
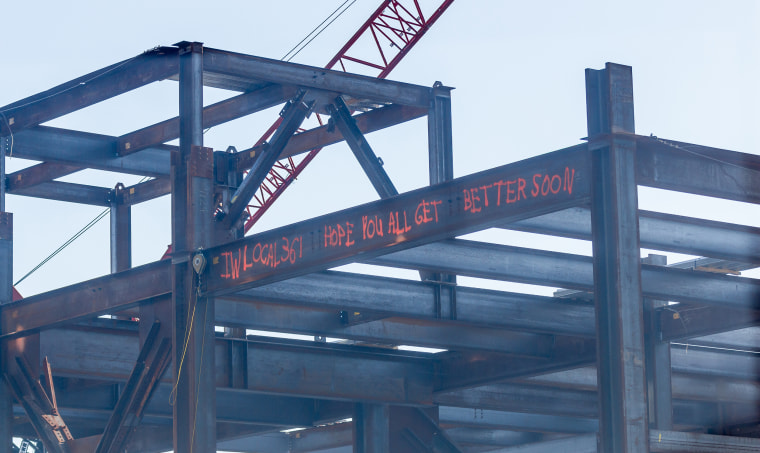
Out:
{"x": 322, "y": 136}
{"x": 89, "y": 150}
{"x": 144, "y": 191}
{"x": 338, "y": 437}
{"x": 69, "y": 151}
{"x": 681, "y": 322}
{"x": 482, "y": 418}
{"x": 660, "y": 441}
{"x": 433, "y": 333}
{"x": 696, "y": 169}
{"x": 528, "y": 188}
{"x": 673, "y": 441}
{"x": 586, "y": 443}
{"x": 151, "y": 66}
{"x": 411, "y": 299}
{"x": 659, "y": 231}
{"x": 564, "y": 270}
{"x": 37, "y": 174}
{"x": 233, "y": 405}
{"x": 213, "y": 115}
{"x": 66, "y": 191}
{"x": 219, "y": 64}
{"x": 327, "y": 371}
{"x": 337, "y": 291}
{"x": 747, "y": 339}
{"x": 87, "y": 299}
{"x": 698, "y": 383}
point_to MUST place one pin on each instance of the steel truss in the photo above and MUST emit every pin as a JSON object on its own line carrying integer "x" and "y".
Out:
{"x": 602, "y": 368}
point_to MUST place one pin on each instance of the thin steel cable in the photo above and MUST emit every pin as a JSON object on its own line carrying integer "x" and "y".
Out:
{"x": 79, "y": 233}
{"x": 286, "y": 58}
{"x": 76, "y": 236}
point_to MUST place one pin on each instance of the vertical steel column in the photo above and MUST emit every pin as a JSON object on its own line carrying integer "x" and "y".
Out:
{"x": 237, "y": 357}
{"x": 657, "y": 361}
{"x": 440, "y": 142}
{"x": 441, "y": 168}
{"x": 193, "y": 328}
{"x": 372, "y": 432}
{"x": 121, "y": 232}
{"x": 6, "y": 296}
{"x": 623, "y": 426}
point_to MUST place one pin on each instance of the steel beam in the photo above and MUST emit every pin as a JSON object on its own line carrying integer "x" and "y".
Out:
{"x": 586, "y": 443}
{"x": 151, "y": 66}
{"x": 659, "y": 231}
{"x": 329, "y": 371}
{"x": 121, "y": 233}
{"x": 192, "y": 208}
{"x": 319, "y": 137}
{"x": 485, "y": 260}
{"x": 440, "y": 169}
{"x": 213, "y": 115}
{"x": 333, "y": 437}
{"x": 691, "y": 382}
{"x": 66, "y": 191}
{"x": 461, "y": 370}
{"x": 738, "y": 369}
{"x": 6, "y": 297}
{"x": 492, "y": 437}
{"x": 293, "y": 115}
{"x": 440, "y": 142}
{"x": 128, "y": 412}
{"x": 37, "y": 174}
{"x": 660, "y": 441}
{"x": 657, "y": 354}
{"x": 221, "y": 65}
{"x": 87, "y": 299}
{"x": 525, "y": 398}
{"x": 144, "y": 191}
{"x": 338, "y": 372}
{"x": 382, "y": 428}
{"x": 696, "y": 169}
{"x": 486, "y": 418}
{"x": 682, "y": 322}
{"x": 369, "y": 162}
{"x": 433, "y": 333}
{"x": 623, "y": 423}
{"x": 747, "y": 339}
{"x": 372, "y": 430}
{"x": 89, "y": 150}
{"x": 531, "y": 187}
{"x": 239, "y": 406}
{"x": 673, "y": 441}
{"x": 391, "y": 297}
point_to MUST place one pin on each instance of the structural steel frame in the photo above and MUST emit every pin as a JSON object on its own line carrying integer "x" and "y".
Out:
{"x": 604, "y": 366}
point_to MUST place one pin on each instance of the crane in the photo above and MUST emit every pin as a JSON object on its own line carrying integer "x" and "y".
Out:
{"x": 394, "y": 28}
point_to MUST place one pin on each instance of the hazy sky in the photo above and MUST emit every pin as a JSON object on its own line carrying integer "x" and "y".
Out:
{"x": 518, "y": 69}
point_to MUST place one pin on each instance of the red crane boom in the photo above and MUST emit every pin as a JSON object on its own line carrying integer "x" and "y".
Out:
{"x": 394, "y": 28}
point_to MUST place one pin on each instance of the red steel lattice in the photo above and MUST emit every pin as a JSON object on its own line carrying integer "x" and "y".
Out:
{"x": 394, "y": 29}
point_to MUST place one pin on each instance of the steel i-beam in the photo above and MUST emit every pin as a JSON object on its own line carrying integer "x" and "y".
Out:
{"x": 193, "y": 328}
{"x": 623, "y": 426}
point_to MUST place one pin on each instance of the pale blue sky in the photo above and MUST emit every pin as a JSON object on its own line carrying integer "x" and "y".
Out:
{"x": 518, "y": 69}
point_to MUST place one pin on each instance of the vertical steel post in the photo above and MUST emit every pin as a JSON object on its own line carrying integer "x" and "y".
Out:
{"x": 121, "y": 232}
{"x": 371, "y": 428}
{"x": 441, "y": 168}
{"x": 623, "y": 425}
{"x": 440, "y": 142}
{"x": 193, "y": 328}
{"x": 658, "y": 367}
{"x": 6, "y": 296}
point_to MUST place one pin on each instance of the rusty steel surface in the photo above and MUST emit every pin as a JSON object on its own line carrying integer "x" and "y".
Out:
{"x": 515, "y": 191}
